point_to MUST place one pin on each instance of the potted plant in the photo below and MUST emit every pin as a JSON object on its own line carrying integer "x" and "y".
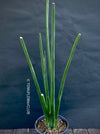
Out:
{"x": 51, "y": 122}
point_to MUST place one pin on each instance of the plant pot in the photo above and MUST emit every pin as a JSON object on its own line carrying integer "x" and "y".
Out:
{"x": 60, "y": 117}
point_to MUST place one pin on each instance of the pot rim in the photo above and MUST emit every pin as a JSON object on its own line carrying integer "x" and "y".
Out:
{"x": 61, "y": 117}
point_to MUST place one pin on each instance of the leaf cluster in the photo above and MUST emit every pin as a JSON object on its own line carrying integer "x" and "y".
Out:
{"x": 48, "y": 101}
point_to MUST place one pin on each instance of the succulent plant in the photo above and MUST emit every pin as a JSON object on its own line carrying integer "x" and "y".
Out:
{"x": 50, "y": 109}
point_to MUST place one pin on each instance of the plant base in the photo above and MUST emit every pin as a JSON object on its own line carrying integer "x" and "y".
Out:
{"x": 41, "y": 128}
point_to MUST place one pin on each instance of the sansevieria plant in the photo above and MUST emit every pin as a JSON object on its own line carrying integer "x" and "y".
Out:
{"x": 49, "y": 107}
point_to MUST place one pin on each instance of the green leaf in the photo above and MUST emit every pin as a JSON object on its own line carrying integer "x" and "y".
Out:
{"x": 53, "y": 65}
{"x": 64, "y": 76}
{"x": 32, "y": 72}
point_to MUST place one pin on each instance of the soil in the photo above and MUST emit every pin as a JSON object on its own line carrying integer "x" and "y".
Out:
{"x": 61, "y": 126}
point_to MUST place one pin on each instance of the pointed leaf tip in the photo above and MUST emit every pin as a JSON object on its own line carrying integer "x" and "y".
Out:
{"x": 42, "y": 94}
{"x": 21, "y": 37}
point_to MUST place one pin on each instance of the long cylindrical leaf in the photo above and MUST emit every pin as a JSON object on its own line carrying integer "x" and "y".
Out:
{"x": 64, "y": 76}
{"x": 47, "y": 37}
{"x": 53, "y": 64}
{"x": 44, "y": 103}
{"x": 41, "y": 51}
{"x": 46, "y": 84}
{"x": 32, "y": 70}
{"x": 44, "y": 108}
{"x": 44, "y": 72}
